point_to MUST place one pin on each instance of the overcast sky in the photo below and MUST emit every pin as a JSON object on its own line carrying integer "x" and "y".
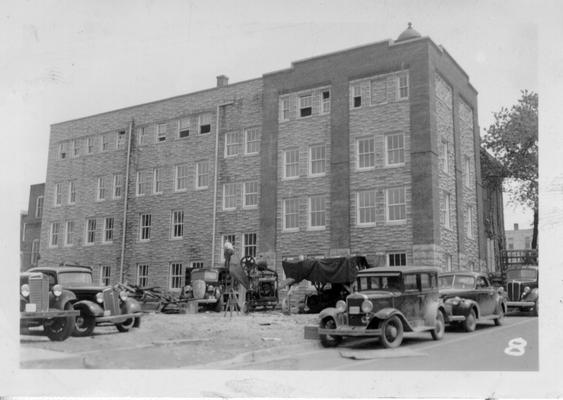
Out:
{"x": 62, "y": 60}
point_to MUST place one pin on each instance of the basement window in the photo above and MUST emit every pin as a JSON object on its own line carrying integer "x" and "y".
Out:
{"x": 305, "y": 106}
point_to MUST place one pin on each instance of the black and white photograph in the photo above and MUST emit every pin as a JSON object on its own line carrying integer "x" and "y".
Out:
{"x": 222, "y": 199}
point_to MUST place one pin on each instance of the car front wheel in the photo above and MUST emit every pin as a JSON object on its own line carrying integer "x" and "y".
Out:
{"x": 391, "y": 332}
{"x": 440, "y": 327}
{"x": 329, "y": 340}
{"x": 60, "y": 328}
{"x": 84, "y": 324}
{"x": 470, "y": 322}
{"x": 125, "y": 326}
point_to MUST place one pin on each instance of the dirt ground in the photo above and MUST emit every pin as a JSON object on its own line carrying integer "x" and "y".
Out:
{"x": 180, "y": 340}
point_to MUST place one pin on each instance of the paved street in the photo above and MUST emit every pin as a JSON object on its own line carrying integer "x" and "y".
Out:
{"x": 481, "y": 350}
{"x": 265, "y": 341}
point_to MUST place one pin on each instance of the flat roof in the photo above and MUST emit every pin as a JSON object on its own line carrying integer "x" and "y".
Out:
{"x": 402, "y": 269}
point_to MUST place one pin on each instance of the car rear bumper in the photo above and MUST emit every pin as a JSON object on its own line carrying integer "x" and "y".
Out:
{"x": 48, "y": 314}
{"x": 521, "y": 303}
{"x": 118, "y": 318}
{"x": 349, "y": 331}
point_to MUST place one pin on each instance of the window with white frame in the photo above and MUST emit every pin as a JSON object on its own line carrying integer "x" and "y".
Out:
{"x": 325, "y": 101}
{"x": 205, "y": 123}
{"x": 249, "y": 244}
{"x": 356, "y": 95}
{"x": 469, "y": 222}
{"x": 58, "y": 194}
{"x": 105, "y": 143}
{"x": 448, "y": 262}
{"x": 142, "y": 275}
{"x": 317, "y": 211}
{"x": 229, "y": 196}
{"x": 403, "y": 87}
{"x": 445, "y": 216}
{"x": 396, "y": 204}
{"x": 378, "y": 90}
{"x": 467, "y": 171}
{"x": 184, "y": 127}
{"x": 445, "y": 156}
{"x": 145, "y": 227}
{"x": 69, "y": 233}
{"x": 105, "y": 275}
{"x": 39, "y": 207}
{"x": 91, "y": 231}
{"x": 90, "y": 143}
{"x": 176, "y": 275}
{"x": 366, "y": 207}
{"x": 291, "y": 214}
{"x": 117, "y": 185}
{"x": 305, "y": 105}
{"x": 142, "y": 136}
{"x": 62, "y": 154}
{"x": 365, "y": 152}
{"x": 202, "y": 174}
{"x": 284, "y": 109}
{"x": 317, "y": 160}
{"x": 143, "y": 182}
{"x": 120, "y": 140}
{"x": 34, "y": 251}
{"x": 161, "y": 132}
{"x": 394, "y": 149}
{"x": 232, "y": 143}
{"x": 54, "y": 237}
{"x": 177, "y": 227}
{"x": 181, "y": 178}
{"x": 157, "y": 181}
{"x": 291, "y": 163}
{"x": 252, "y": 140}
{"x": 71, "y": 192}
{"x": 108, "y": 229}
{"x": 76, "y": 148}
{"x": 396, "y": 259}
{"x": 101, "y": 189}
{"x": 250, "y": 194}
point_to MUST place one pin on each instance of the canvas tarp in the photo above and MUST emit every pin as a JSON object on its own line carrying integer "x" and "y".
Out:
{"x": 327, "y": 270}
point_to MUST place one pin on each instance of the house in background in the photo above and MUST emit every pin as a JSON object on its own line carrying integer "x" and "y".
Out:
{"x": 30, "y": 227}
{"x": 519, "y": 239}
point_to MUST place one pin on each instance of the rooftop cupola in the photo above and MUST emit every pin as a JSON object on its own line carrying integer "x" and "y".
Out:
{"x": 408, "y": 34}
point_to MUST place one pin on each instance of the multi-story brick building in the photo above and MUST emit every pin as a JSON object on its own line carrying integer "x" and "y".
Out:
{"x": 372, "y": 150}
{"x": 30, "y": 227}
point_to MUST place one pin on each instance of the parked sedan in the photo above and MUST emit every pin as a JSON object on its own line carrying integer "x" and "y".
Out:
{"x": 469, "y": 298}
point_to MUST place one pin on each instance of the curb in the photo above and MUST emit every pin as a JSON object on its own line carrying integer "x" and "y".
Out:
{"x": 256, "y": 356}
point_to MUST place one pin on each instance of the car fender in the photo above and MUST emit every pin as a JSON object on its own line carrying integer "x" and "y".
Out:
{"x": 465, "y": 306}
{"x": 332, "y": 313}
{"x": 130, "y": 306}
{"x": 532, "y": 295}
{"x": 90, "y": 307}
{"x": 388, "y": 312}
{"x": 60, "y": 301}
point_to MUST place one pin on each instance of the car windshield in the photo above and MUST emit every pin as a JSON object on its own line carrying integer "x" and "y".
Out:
{"x": 457, "y": 282}
{"x": 522, "y": 274}
{"x": 380, "y": 282}
{"x": 75, "y": 279}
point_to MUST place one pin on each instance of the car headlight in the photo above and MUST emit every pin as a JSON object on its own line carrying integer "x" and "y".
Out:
{"x": 188, "y": 288}
{"x": 526, "y": 289}
{"x": 501, "y": 290}
{"x": 367, "y": 306}
{"x": 454, "y": 301}
{"x": 209, "y": 288}
{"x": 100, "y": 297}
{"x": 123, "y": 295}
{"x": 57, "y": 290}
{"x": 25, "y": 290}
{"x": 340, "y": 306}
{"x": 535, "y": 291}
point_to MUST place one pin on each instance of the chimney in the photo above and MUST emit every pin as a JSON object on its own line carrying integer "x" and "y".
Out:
{"x": 515, "y": 227}
{"x": 222, "y": 80}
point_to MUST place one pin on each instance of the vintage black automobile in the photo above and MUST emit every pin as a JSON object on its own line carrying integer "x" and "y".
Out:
{"x": 97, "y": 305}
{"x": 207, "y": 287}
{"x": 47, "y": 307}
{"x": 469, "y": 298}
{"x": 522, "y": 288}
{"x": 388, "y": 301}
